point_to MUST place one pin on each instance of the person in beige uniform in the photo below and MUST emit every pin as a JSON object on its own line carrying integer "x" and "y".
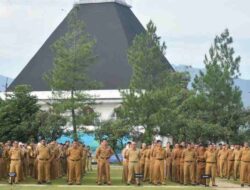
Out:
{"x": 147, "y": 164}
{"x": 103, "y": 153}
{"x": 236, "y": 156}
{"x": 160, "y": 155}
{"x": 222, "y": 155}
{"x": 74, "y": 155}
{"x": 201, "y": 165}
{"x": 125, "y": 163}
{"x": 168, "y": 162}
{"x": 211, "y": 158}
{"x": 142, "y": 159}
{"x": 245, "y": 165}
{"x": 84, "y": 159}
{"x": 15, "y": 155}
{"x": 133, "y": 156}
{"x": 44, "y": 157}
{"x": 189, "y": 157}
{"x": 230, "y": 163}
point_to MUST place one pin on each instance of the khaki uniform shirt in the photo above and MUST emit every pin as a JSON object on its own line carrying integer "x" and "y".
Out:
{"x": 43, "y": 152}
{"x": 189, "y": 155}
{"x": 74, "y": 154}
{"x": 133, "y": 155}
{"x": 15, "y": 153}
{"x": 210, "y": 156}
{"x": 245, "y": 155}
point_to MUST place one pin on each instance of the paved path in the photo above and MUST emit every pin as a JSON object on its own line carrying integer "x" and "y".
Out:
{"x": 227, "y": 185}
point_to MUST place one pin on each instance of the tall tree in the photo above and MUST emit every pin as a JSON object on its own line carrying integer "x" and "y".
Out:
{"x": 17, "y": 115}
{"x": 69, "y": 77}
{"x": 154, "y": 88}
{"x": 221, "y": 105}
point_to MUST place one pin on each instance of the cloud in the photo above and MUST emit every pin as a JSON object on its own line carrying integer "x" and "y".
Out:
{"x": 188, "y": 27}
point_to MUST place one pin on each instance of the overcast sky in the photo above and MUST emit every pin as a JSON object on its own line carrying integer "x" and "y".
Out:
{"x": 187, "y": 26}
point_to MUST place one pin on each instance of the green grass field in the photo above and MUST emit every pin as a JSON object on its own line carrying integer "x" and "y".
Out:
{"x": 89, "y": 182}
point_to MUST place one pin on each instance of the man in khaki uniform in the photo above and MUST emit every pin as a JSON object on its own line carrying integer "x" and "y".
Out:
{"x": 152, "y": 161}
{"x": 44, "y": 157}
{"x": 84, "y": 158}
{"x": 176, "y": 164}
{"x": 147, "y": 164}
{"x": 201, "y": 165}
{"x": 125, "y": 163}
{"x": 142, "y": 159}
{"x": 230, "y": 163}
{"x": 133, "y": 156}
{"x": 103, "y": 153}
{"x": 74, "y": 155}
{"x": 181, "y": 161}
{"x": 160, "y": 156}
{"x": 168, "y": 162}
{"x": 222, "y": 155}
{"x": 15, "y": 155}
{"x": 211, "y": 158}
{"x": 245, "y": 165}
{"x": 189, "y": 158}
{"x": 31, "y": 157}
{"x": 236, "y": 156}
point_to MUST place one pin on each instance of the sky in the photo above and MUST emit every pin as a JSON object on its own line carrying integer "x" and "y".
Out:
{"x": 187, "y": 26}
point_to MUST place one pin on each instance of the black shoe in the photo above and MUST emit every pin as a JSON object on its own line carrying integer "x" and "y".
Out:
{"x": 242, "y": 185}
{"x": 215, "y": 185}
{"x": 128, "y": 183}
{"x": 206, "y": 185}
{"x": 39, "y": 182}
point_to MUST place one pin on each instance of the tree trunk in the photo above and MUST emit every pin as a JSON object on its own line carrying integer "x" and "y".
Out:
{"x": 73, "y": 115}
{"x": 117, "y": 157}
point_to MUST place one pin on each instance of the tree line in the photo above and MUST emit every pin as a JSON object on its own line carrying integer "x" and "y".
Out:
{"x": 158, "y": 100}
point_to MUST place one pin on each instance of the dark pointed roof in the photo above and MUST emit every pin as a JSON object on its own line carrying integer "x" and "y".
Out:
{"x": 113, "y": 25}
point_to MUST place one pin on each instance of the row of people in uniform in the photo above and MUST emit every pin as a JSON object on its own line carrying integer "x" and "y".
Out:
{"x": 185, "y": 163}
{"x": 41, "y": 161}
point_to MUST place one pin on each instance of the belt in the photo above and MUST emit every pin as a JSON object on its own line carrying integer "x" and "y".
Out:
{"x": 104, "y": 158}
{"x": 43, "y": 159}
{"x": 134, "y": 161}
{"x": 75, "y": 160}
{"x": 231, "y": 160}
{"x": 15, "y": 159}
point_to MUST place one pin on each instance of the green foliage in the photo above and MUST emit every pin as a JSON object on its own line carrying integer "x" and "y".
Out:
{"x": 217, "y": 100}
{"x": 146, "y": 56}
{"x": 155, "y": 93}
{"x": 50, "y": 125}
{"x": 69, "y": 77}
{"x": 17, "y": 115}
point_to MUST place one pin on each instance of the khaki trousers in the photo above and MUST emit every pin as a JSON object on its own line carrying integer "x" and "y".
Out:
{"x": 125, "y": 171}
{"x": 133, "y": 168}
{"x": 74, "y": 168}
{"x": 201, "y": 166}
{"x": 43, "y": 170}
{"x": 223, "y": 168}
{"x": 146, "y": 170}
{"x": 245, "y": 172}
{"x": 159, "y": 171}
{"x": 211, "y": 170}
{"x": 189, "y": 172}
{"x": 236, "y": 169}
{"x": 103, "y": 170}
{"x": 15, "y": 166}
{"x": 230, "y": 168}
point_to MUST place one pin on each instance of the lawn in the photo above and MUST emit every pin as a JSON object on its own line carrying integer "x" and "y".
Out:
{"x": 89, "y": 182}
